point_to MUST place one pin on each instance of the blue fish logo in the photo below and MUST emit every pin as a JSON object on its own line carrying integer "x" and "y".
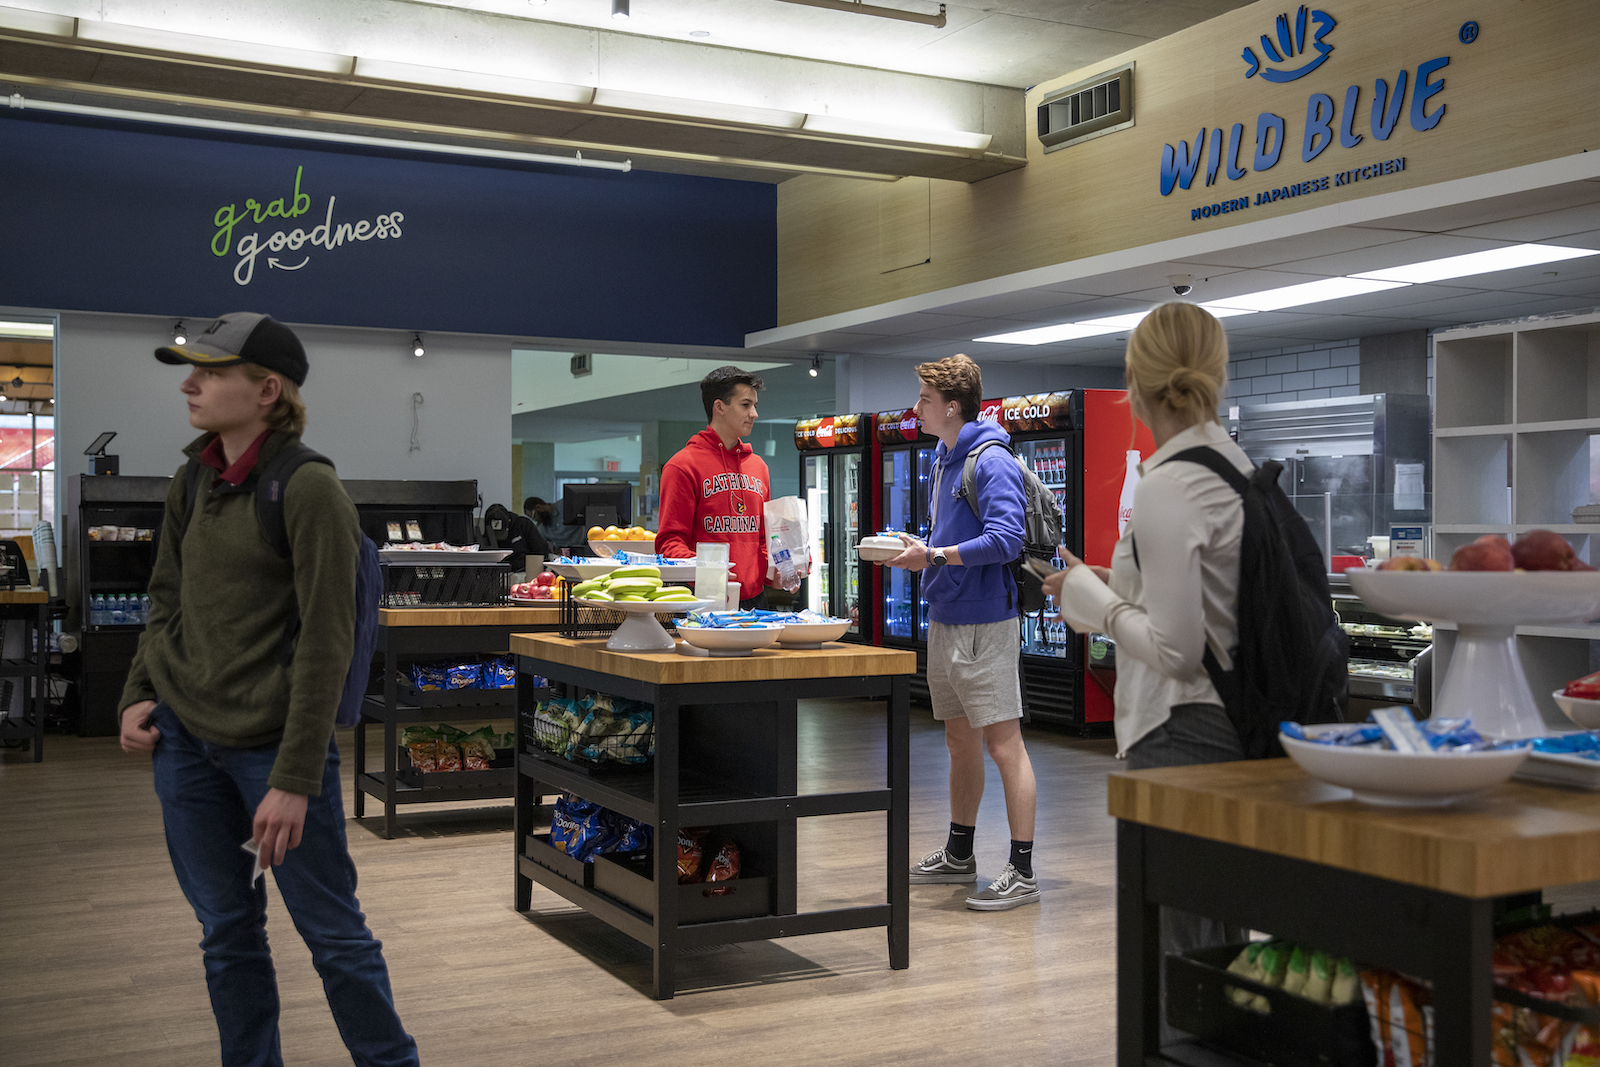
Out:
{"x": 1291, "y": 44}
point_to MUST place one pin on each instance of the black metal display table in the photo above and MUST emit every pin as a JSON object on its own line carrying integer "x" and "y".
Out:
{"x": 437, "y": 633}
{"x": 726, "y": 745}
{"x": 32, "y": 608}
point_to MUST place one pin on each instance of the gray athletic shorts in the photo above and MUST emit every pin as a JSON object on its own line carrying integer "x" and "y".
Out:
{"x": 973, "y": 672}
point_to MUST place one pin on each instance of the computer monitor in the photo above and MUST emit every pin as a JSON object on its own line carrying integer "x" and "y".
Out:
{"x": 597, "y": 504}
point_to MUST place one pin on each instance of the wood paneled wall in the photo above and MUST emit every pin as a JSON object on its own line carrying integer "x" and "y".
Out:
{"x": 1522, "y": 92}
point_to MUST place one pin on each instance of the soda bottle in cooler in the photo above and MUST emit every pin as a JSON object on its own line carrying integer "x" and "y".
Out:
{"x": 1130, "y": 482}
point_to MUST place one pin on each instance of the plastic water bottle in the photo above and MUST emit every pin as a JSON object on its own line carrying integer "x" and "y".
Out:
{"x": 97, "y": 611}
{"x": 119, "y": 610}
{"x": 144, "y": 607}
{"x": 135, "y": 610}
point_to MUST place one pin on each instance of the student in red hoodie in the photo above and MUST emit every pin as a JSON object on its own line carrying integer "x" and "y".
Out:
{"x": 715, "y": 488}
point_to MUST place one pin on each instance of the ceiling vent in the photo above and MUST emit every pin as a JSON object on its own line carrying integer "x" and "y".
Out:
{"x": 1102, "y": 104}
{"x": 582, "y": 363}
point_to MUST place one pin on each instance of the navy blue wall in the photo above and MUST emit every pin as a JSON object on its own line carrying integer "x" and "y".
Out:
{"x": 99, "y": 217}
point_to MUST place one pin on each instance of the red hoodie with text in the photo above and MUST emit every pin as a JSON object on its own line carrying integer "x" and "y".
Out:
{"x": 711, "y": 494}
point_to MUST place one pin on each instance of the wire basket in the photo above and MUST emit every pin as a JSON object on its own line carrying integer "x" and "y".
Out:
{"x": 408, "y": 585}
{"x": 578, "y": 620}
{"x": 635, "y": 746}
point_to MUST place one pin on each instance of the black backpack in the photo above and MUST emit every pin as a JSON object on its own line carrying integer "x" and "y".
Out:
{"x": 1042, "y": 526}
{"x": 271, "y": 484}
{"x": 1292, "y": 661}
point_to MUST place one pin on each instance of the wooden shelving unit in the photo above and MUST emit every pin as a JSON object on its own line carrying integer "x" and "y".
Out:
{"x": 1517, "y": 412}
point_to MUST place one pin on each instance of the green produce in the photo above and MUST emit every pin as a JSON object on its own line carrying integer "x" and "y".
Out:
{"x": 585, "y": 587}
{"x": 632, "y": 585}
{"x": 599, "y": 594}
{"x": 671, "y": 590}
{"x": 633, "y": 597}
{"x": 636, "y": 571}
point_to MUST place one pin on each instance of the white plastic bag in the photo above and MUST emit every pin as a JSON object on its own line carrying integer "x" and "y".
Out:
{"x": 788, "y": 546}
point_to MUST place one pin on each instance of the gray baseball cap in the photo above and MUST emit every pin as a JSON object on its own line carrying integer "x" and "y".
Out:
{"x": 243, "y": 337}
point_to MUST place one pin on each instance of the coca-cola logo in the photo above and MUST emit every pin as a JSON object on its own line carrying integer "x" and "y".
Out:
{"x": 989, "y": 411}
{"x": 825, "y": 433}
{"x": 909, "y": 424}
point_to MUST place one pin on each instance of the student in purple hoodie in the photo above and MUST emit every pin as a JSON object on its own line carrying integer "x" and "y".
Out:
{"x": 973, "y": 635}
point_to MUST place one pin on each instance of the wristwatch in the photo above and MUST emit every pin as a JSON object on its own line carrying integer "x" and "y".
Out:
{"x": 936, "y": 559}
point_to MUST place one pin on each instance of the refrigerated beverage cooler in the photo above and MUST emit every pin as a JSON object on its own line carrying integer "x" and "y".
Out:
{"x": 1078, "y": 442}
{"x": 906, "y": 463}
{"x": 836, "y": 463}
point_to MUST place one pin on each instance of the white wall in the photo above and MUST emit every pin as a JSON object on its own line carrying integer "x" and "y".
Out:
{"x": 586, "y": 455}
{"x": 876, "y": 383}
{"x": 358, "y": 400}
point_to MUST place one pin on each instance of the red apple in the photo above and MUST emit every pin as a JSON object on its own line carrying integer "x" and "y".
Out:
{"x": 1541, "y": 550}
{"x": 1489, "y": 553}
{"x": 545, "y": 578}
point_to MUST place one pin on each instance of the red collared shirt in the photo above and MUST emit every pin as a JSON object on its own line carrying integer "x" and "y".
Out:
{"x": 217, "y": 460}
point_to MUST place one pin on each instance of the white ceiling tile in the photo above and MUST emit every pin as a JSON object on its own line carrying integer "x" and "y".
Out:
{"x": 1495, "y": 209}
{"x": 1549, "y": 226}
{"x": 1304, "y": 246}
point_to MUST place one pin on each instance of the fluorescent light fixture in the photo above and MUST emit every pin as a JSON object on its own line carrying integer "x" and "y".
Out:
{"x": 213, "y": 47}
{"x": 1117, "y": 322}
{"x": 444, "y": 78}
{"x": 1044, "y": 335}
{"x": 1486, "y": 262}
{"x": 698, "y": 109}
{"x": 30, "y": 331}
{"x": 37, "y": 22}
{"x": 1305, "y": 293}
{"x": 1226, "y": 313}
{"x": 883, "y": 131}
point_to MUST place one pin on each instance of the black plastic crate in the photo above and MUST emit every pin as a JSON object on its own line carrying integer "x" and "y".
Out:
{"x": 407, "y": 585}
{"x": 630, "y": 878}
{"x": 1293, "y": 1033}
{"x": 537, "y": 848}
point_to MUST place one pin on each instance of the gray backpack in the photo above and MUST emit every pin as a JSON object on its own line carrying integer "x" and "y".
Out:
{"x": 1042, "y": 526}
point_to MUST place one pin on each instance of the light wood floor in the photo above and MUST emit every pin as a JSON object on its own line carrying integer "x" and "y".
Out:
{"x": 99, "y": 961}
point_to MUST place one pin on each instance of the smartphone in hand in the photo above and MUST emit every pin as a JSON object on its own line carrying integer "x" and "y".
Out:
{"x": 1039, "y": 568}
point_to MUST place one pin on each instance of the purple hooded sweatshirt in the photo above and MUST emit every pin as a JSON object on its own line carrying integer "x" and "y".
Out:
{"x": 981, "y": 589}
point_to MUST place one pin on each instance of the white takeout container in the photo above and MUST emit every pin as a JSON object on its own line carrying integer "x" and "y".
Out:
{"x": 875, "y": 548}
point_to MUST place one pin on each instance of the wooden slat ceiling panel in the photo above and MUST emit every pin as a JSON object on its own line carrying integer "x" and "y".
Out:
{"x": 224, "y": 83}
{"x": 406, "y": 106}
{"x": 221, "y": 84}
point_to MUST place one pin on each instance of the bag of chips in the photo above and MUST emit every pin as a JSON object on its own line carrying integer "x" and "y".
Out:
{"x": 691, "y": 856}
{"x": 477, "y": 749}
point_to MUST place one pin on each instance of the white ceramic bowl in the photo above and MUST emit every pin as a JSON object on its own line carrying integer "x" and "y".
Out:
{"x": 812, "y": 634}
{"x": 732, "y": 640}
{"x": 1403, "y": 779}
{"x": 647, "y": 607}
{"x": 1480, "y": 597}
{"x": 611, "y": 548}
{"x": 1586, "y": 713}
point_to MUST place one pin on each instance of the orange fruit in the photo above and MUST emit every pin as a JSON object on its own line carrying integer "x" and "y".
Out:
{"x": 649, "y": 535}
{"x": 596, "y": 533}
{"x": 636, "y": 533}
{"x": 614, "y": 534}
{"x": 612, "y": 531}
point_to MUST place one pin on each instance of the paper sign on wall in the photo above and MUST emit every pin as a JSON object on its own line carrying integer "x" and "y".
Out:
{"x": 1408, "y": 494}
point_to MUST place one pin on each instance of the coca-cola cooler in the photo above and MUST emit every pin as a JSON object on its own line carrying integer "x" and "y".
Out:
{"x": 1114, "y": 444}
{"x": 1046, "y": 432}
{"x": 906, "y": 463}
{"x": 836, "y": 464}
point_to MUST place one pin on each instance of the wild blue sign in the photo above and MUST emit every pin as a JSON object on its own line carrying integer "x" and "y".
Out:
{"x": 1231, "y": 151}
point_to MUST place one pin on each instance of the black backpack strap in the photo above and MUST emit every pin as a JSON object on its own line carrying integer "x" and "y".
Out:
{"x": 1212, "y": 460}
{"x": 272, "y": 485}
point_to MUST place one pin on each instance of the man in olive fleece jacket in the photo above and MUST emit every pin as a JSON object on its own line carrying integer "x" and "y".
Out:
{"x": 242, "y": 746}
{"x": 219, "y": 605}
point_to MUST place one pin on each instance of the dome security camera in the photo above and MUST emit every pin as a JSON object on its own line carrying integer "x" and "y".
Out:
{"x": 1182, "y": 284}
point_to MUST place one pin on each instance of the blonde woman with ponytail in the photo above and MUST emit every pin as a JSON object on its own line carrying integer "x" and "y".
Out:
{"x": 1172, "y": 587}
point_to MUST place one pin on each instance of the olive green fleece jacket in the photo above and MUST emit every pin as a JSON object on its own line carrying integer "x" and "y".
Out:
{"x": 220, "y": 601}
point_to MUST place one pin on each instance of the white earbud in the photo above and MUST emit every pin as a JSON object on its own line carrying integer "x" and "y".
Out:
{"x": 949, "y": 411}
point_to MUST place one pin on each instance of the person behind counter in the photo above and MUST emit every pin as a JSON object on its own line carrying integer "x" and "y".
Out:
{"x": 1165, "y": 604}
{"x": 560, "y": 538}
{"x": 503, "y": 530}
{"x": 974, "y": 678}
{"x": 241, "y": 742}
{"x": 716, "y": 488}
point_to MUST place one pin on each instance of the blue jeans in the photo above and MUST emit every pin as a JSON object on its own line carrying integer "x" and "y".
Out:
{"x": 209, "y": 795}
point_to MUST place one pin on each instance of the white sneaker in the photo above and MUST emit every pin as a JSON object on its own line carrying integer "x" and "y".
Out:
{"x": 1010, "y": 890}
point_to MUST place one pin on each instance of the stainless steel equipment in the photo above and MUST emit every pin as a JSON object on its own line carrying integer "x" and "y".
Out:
{"x": 1352, "y": 465}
